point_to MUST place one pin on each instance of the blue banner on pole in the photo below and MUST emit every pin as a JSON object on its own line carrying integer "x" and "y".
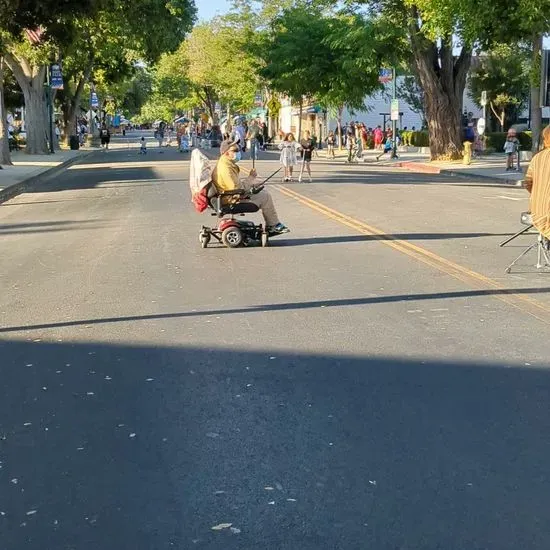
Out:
{"x": 385, "y": 76}
{"x": 56, "y": 78}
{"x": 94, "y": 101}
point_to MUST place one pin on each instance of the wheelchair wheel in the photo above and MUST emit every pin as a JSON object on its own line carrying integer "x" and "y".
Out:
{"x": 264, "y": 239}
{"x": 232, "y": 237}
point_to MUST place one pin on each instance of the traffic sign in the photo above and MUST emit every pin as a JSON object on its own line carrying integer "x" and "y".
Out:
{"x": 56, "y": 78}
{"x": 385, "y": 76}
{"x": 94, "y": 100}
{"x": 483, "y": 98}
{"x": 394, "y": 115}
{"x": 481, "y": 126}
{"x": 258, "y": 100}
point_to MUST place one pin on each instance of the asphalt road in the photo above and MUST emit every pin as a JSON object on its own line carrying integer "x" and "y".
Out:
{"x": 372, "y": 380}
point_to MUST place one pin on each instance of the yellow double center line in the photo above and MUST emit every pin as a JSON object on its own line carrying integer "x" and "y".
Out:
{"x": 471, "y": 278}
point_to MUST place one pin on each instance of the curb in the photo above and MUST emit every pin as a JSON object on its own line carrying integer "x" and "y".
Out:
{"x": 427, "y": 169}
{"x": 33, "y": 182}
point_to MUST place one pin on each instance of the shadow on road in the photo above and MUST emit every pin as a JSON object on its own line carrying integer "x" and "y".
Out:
{"x": 120, "y": 446}
{"x": 288, "y": 306}
{"x": 46, "y": 227}
{"x": 389, "y": 237}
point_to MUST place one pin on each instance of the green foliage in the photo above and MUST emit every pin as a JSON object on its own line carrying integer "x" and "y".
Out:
{"x": 13, "y": 96}
{"x": 504, "y": 74}
{"x": 218, "y": 59}
{"x": 419, "y": 139}
{"x": 169, "y": 88}
{"x": 293, "y": 56}
{"x": 495, "y": 141}
{"x": 20, "y": 14}
{"x": 312, "y": 52}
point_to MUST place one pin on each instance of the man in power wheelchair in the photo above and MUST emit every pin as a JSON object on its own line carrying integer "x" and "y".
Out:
{"x": 223, "y": 191}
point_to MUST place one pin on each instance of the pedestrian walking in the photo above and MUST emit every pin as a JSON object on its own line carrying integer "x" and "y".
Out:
{"x": 239, "y": 135}
{"x": 331, "y": 143}
{"x": 350, "y": 144}
{"x": 306, "y": 146}
{"x": 378, "y": 137}
{"x": 511, "y": 148}
{"x": 253, "y": 135}
{"x": 142, "y": 146}
{"x": 288, "y": 158}
{"x": 184, "y": 143}
{"x": 364, "y": 137}
{"x": 358, "y": 141}
{"x": 105, "y": 136}
{"x": 388, "y": 148}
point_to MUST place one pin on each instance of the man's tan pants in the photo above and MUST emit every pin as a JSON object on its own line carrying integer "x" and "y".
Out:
{"x": 265, "y": 202}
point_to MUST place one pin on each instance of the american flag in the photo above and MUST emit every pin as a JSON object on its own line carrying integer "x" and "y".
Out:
{"x": 35, "y": 35}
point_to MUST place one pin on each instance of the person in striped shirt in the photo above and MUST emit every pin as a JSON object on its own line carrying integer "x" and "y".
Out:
{"x": 537, "y": 182}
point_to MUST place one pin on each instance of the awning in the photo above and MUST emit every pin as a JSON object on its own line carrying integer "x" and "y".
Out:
{"x": 313, "y": 110}
{"x": 257, "y": 112}
{"x": 181, "y": 120}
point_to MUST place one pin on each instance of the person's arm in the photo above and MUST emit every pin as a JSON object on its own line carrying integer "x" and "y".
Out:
{"x": 250, "y": 181}
{"x": 528, "y": 181}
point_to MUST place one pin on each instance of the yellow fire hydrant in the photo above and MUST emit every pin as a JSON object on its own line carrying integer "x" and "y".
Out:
{"x": 467, "y": 158}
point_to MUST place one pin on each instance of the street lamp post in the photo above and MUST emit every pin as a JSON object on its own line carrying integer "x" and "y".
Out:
{"x": 394, "y": 121}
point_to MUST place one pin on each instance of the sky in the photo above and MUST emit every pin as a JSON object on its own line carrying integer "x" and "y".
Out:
{"x": 208, "y": 8}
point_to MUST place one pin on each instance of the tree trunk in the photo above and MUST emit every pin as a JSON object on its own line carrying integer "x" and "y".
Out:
{"x": 536, "y": 109}
{"x": 210, "y": 104}
{"x": 36, "y": 126}
{"x": 31, "y": 81}
{"x": 5, "y": 157}
{"x": 72, "y": 103}
{"x": 443, "y": 79}
{"x": 500, "y": 117}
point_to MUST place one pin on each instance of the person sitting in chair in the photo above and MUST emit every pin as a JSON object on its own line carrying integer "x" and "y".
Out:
{"x": 226, "y": 177}
{"x": 537, "y": 182}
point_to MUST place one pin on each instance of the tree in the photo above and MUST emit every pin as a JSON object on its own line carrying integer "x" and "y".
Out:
{"x": 169, "y": 88}
{"x": 503, "y": 73}
{"x": 138, "y": 92}
{"x": 358, "y": 46}
{"x": 28, "y": 65}
{"x": 311, "y": 52}
{"x": 294, "y": 61}
{"x": 18, "y": 15}
{"x": 442, "y": 35}
{"x": 124, "y": 36}
{"x": 112, "y": 35}
{"x": 220, "y": 67}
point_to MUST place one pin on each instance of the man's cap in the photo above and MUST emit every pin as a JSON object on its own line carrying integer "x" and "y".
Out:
{"x": 226, "y": 145}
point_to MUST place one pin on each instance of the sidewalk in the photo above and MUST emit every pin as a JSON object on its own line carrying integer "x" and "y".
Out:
{"x": 491, "y": 168}
{"x": 28, "y": 170}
